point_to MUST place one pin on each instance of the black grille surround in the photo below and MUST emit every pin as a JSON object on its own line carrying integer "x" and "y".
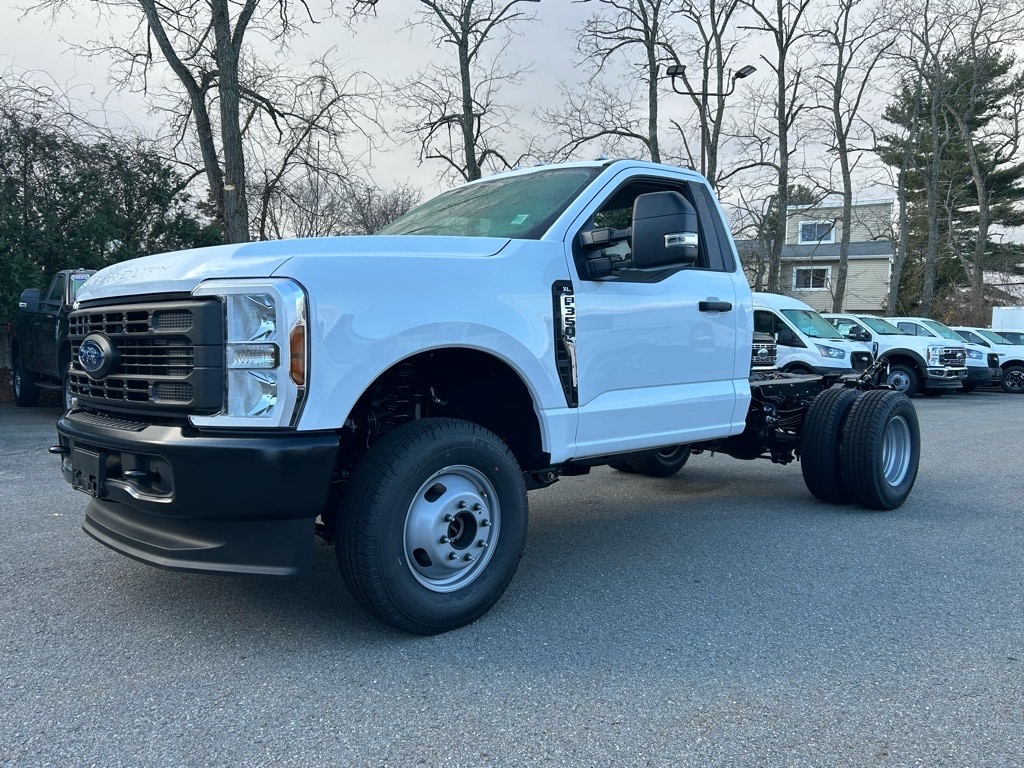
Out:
{"x": 859, "y": 361}
{"x": 169, "y": 357}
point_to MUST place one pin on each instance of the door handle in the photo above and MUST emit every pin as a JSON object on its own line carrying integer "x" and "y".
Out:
{"x": 714, "y": 306}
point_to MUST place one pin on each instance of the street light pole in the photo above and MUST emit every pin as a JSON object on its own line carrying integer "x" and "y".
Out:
{"x": 679, "y": 70}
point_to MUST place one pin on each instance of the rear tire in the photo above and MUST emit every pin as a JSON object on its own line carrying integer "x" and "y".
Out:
{"x": 432, "y": 525}
{"x": 26, "y": 393}
{"x": 1012, "y": 379}
{"x": 820, "y": 444}
{"x": 881, "y": 449}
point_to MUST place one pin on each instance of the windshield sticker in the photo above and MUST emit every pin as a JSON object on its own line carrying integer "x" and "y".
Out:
{"x": 522, "y": 217}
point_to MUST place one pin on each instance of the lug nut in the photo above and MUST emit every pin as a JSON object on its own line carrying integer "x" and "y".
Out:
{"x": 482, "y": 544}
{"x": 484, "y": 523}
{"x": 477, "y": 507}
{"x": 444, "y": 540}
{"x": 452, "y": 556}
{"x": 447, "y": 518}
{"x": 462, "y": 505}
{"x": 468, "y": 558}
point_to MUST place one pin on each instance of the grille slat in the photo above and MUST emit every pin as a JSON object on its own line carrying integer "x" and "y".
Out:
{"x": 169, "y": 356}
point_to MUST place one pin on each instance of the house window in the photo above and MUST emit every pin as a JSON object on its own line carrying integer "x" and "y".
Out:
{"x": 812, "y": 278}
{"x": 817, "y": 232}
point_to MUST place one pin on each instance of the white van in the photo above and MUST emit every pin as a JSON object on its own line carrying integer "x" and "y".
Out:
{"x": 807, "y": 343}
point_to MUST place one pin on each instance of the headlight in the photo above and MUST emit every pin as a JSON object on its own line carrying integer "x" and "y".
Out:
{"x": 935, "y": 355}
{"x": 833, "y": 352}
{"x": 975, "y": 354}
{"x": 265, "y": 352}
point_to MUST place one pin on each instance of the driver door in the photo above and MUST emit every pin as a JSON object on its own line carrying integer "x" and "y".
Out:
{"x": 663, "y": 355}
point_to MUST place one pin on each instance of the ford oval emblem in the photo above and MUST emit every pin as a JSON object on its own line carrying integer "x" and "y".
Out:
{"x": 97, "y": 355}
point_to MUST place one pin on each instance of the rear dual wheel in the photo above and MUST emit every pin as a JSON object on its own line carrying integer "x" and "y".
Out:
{"x": 861, "y": 447}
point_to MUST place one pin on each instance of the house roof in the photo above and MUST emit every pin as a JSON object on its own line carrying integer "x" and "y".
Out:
{"x": 873, "y": 249}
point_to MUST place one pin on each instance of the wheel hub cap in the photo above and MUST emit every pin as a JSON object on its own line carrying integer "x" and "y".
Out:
{"x": 896, "y": 450}
{"x": 451, "y": 527}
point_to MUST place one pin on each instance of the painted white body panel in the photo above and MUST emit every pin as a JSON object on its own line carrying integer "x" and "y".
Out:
{"x": 652, "y": 369}
{"x": 808, "y": 356}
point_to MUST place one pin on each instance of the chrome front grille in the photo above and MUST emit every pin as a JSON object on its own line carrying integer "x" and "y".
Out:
{"x": 954, "y": 357}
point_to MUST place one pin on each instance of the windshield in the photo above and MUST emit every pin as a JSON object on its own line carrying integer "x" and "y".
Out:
{"x": 943, "y": 331}
{"x": 77, "y": 281}
{"x": 994, "y": 337}
{"x": 810, "y": 323}
{"x": 881, "y": 326}
{"x": 521, "y": 206}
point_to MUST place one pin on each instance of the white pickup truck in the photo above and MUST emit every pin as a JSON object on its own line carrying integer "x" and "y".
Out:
{"x": 398, "y": 394}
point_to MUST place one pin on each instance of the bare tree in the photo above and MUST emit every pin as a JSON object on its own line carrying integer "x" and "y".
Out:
{"x": 851, "y": 42}
{"x": 713, "y": 41}
{"x": 629, "y": 33}
{"x": 457, "y": 116}
{"x": 369, "y": 208}
{"x": 784, "y": 22}
{"x": 205, "y": 44}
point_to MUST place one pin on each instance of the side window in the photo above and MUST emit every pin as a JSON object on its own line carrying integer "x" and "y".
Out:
{"x": 908, "y": 328}
{"x": 764, "y": 322}
{"x": 55, "y": 296}
{"x": 617, "y": 213}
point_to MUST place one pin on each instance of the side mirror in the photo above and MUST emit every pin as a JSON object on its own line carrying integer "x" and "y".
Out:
{"x": 665, "y": 230}
{"x": 856, "y": 333}
{"x": 29, "y": 301}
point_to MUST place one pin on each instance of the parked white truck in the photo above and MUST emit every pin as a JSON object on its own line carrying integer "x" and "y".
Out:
{"x": 914, "y": 363}
{"x": 400, "y": 393}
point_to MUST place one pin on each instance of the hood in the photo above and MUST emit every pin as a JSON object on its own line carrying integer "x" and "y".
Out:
{"x": 182, "y": 271}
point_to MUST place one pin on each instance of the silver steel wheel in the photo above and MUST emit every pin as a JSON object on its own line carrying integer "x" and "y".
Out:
{"x": 451, "y": 528}
{"x": 16, "y": 383}
{"x": 899, "y": 380}
{"x": 897, "y": 449}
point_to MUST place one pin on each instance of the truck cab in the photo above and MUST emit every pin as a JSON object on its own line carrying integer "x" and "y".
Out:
{"x": 40, "y": 352}
{"x": 806, "y": 341}
{"x": 915, "y": 363}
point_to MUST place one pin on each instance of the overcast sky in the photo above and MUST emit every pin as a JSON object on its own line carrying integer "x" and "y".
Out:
{"x": 34, "y": 42}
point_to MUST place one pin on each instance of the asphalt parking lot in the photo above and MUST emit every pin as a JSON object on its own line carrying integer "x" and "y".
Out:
{"x": 722, "y": 617}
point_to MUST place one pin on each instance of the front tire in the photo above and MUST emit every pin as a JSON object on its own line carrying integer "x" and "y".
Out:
{"x": 1012, "y": 379}
{"x": 881, "y": 449}
{"x": 903, "y": 378}
{"x": 26, "y": 393}
{"x": 432, "y": 525}
{"x": 820, "y": 445}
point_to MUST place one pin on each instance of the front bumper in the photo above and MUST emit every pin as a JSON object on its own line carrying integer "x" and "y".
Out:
{"x": 185, "y": 500}
{"x": 980, "y": 376}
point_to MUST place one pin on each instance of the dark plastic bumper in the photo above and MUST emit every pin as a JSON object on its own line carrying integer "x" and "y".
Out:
{"x": 183, "y": 500}
{"x": 980, "y": 376}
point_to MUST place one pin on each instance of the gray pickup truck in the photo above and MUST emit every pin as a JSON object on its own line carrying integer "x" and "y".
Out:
{"x": 40, "y": 353}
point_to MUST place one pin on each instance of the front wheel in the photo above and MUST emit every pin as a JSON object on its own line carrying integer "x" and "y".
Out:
{"x": 902, "y": 378}
{"x": 432, "y": 525}
{"x": 1012, "y": 379}
{"x": 881, "y": 449}
{"x": 26, "y": 393}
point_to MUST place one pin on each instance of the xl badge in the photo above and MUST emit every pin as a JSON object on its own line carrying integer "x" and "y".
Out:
{"x": 97, "y": 356}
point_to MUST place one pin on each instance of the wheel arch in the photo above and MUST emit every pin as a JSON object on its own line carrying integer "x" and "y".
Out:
{"x": 457, "y": 382}
{"x": 905, "y": 357}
